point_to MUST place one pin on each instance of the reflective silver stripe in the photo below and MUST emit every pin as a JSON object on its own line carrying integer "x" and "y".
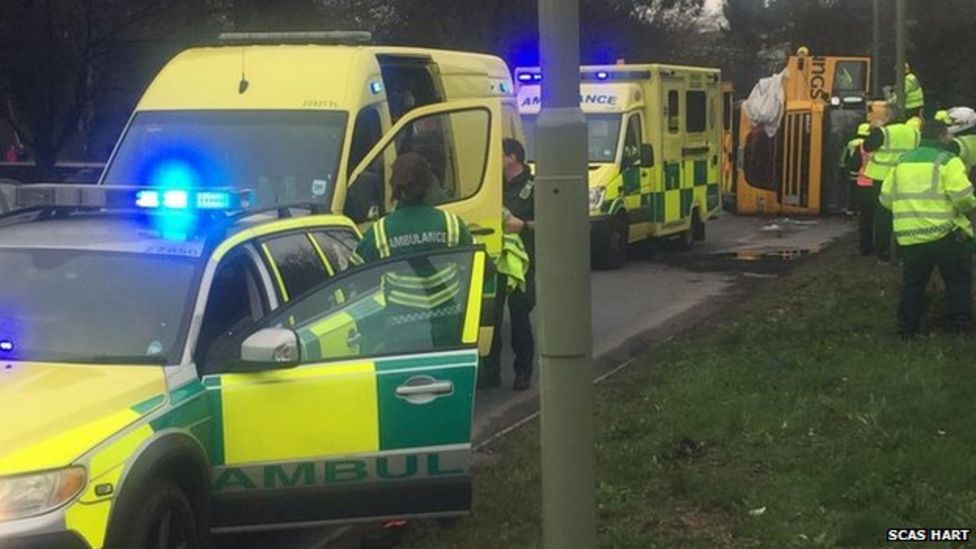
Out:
{"x": 943, "y": 228}
{"x": 924, "y": 215}
{"x": 919, "y": 196}
{"x": 937, "y": 171}
{"x": 962, "y": 193}
{"x": 382, "y": 244}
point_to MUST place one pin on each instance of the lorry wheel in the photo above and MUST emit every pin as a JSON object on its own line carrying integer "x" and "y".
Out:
{"x": 697, "y": 226}
{"x": 611, "y": 251}
{"x": 163, "y": 520}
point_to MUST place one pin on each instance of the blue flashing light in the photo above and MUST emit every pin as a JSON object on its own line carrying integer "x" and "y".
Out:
{"x": 537, "y": 78}
{"x": 503, "y": 87}
{"x": 6, "y": 345}
{"x": 147, "y": 199}
{"x": 525, "y": 77}
{"x": 602, "y": 75}
{"x": 176, "y": 199}
{"x": 376, "y": 87}
{"x": 213, "y": 200}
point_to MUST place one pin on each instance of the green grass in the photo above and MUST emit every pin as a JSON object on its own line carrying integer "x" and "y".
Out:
{"x": 800, "y": 401}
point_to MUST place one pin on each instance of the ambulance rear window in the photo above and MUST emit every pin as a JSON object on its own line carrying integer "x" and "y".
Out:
{"x": 603, "y": 136}
{"x": 285, "y": 156}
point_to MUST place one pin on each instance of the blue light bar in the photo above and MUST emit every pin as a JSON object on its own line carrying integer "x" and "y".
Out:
{"x": 6, "y": 345}
{"x": 376, "y": 88}
{"x": 147, "y": 199}
{"x": 525, "y": 77}
{"x": 602, "y": 75}
{"x": 129, "y": 197}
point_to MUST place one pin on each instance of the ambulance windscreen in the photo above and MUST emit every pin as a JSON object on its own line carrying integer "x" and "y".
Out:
{"x": 284, "y": 156}
{"x": 603, "y": 132}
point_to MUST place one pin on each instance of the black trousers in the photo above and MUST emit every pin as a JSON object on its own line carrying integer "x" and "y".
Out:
{"x": 520, "y": 305}
{"x": 883, "y": 220}
{"x": 955, "y": 261}
{"x": 867, "y": 204}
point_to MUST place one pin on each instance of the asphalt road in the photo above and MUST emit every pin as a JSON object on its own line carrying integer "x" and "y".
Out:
{"x": 659, "y": 293}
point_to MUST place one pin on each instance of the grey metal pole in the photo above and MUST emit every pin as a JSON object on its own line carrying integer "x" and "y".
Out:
{"x": 900, "y": 54}
{"x": 876, "y": 51}
{"x": 563, "y": 255}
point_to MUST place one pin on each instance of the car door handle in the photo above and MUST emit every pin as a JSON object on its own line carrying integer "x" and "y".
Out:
{"x": 435, "y": 388}
{"x": 478, "y": 230}
{"x": 424, "y": 389}
{"x": 353, "y": 338}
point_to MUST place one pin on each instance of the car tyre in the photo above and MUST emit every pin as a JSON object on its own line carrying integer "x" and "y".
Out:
{"x": 697, "y": 226}
{"x": 164, "y": 519}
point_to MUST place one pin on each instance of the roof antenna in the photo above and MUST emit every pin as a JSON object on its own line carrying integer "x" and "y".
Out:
{"x": 243, "y": 84}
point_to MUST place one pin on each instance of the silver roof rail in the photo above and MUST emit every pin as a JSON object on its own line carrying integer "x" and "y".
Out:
{"x": 299, "y": 37}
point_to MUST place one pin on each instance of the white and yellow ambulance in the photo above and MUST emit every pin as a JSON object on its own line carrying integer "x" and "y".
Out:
{"x": 655, "y": 151}
{"x": 320, "y": 117}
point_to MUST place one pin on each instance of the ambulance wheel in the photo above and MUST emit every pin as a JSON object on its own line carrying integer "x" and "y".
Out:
{"x": 610, "y": 251}
{"x": 697, "y": 226}
{"x": 686, "y": 239}
{"x": 163, "y": 520}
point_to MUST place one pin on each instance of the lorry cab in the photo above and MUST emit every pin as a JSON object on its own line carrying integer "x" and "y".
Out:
{"x": 321, "y": 117}
{"x": 655, "y": 151}
{"x": 795, "y": 171}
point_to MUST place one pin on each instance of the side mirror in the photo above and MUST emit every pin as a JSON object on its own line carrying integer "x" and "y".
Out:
{"x": 270, "y": 349}
{"x": 647, "y": 156}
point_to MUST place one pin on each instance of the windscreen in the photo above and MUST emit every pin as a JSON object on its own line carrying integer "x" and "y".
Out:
{"x": 603, "y": 132}
{"x": 285, "y": 156}
{"x": 102, "y": 308}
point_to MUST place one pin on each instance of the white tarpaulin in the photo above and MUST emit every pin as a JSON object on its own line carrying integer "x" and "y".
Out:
{"x": 963, "y": 118}
{"x": 765, "y": 105}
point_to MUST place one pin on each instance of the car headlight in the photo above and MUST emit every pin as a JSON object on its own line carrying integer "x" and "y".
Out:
{"x": 596, "y": 197}
{"x": 38, "y": 493}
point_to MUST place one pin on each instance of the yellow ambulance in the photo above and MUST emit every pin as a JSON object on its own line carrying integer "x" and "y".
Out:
{"x": 655, "y": 151}
{"x": 320, "y": 117}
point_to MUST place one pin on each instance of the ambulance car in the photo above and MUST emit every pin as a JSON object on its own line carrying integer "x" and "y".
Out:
{"x": 321, "y": 117}
{"x": 655, "y": 151}
{"x": 176, "y": 362}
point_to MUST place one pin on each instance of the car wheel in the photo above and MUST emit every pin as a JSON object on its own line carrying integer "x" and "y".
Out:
{"x": 163, "y": 520}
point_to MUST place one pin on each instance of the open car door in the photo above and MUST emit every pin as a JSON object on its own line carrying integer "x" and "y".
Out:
{"x": 462, "y": 141}
{"x": 345, "y": 406}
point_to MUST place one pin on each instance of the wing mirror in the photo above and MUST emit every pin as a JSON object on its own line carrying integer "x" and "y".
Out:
{"x": 647, "y": 156}
{"x": 270, "y": 349}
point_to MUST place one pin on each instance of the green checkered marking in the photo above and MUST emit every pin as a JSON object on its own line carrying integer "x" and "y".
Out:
{"x": 672, "y": 176}
{"x": 701, "y": 172}
{"x": 714, "y": 196}
{"x": 687, "y": 199}
{"x": 439, "y": 422}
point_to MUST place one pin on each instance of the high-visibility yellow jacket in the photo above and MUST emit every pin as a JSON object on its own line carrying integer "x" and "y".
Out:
{"x": 514, "y": 262}
{"x": 967, "y": 150}
{"x": 914, "y": 95}
{"x": 929, "y": 195}
{"x": 898, "y": 139}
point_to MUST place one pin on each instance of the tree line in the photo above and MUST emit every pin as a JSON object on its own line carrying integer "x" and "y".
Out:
{"x": 72, "y": 70}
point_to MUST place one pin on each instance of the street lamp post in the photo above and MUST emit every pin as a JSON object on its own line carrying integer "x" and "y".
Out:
{"x": 876, "y": 50}
{"x": 563, "y": 270}
{"x": 900, "y": 55}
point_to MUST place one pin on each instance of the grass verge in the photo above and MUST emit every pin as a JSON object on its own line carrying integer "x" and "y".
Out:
{"x": 796, "y": 419}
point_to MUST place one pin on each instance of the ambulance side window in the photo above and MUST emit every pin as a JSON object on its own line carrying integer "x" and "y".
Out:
{"x": 674, "y": 112}
{"x": 295, "y": 263}
{"x": 695, "y": 119}
{"x": 366, "y": 133}
{"x": 235, "y": 304}
{"x": 632, "y": 142}
{"x": 337, "y": 246}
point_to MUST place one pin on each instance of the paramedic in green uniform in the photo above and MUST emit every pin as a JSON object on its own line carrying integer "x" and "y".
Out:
{"x": 421, "y": 298}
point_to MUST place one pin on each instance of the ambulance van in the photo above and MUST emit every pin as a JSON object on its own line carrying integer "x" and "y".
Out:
{"x": 319, "y": 118}
{"x": 655, "y": 151}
